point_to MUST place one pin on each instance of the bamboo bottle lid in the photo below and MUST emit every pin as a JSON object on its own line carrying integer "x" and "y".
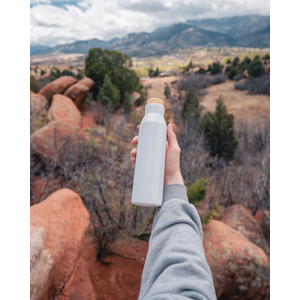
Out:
{"x": 156, "y": 100}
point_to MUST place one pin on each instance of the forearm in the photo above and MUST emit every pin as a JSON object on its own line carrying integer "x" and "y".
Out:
{"x": 176, "y": 266}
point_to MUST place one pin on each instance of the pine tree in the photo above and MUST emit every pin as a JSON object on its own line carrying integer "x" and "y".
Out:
{"x": 167, "y": 91}
{"x": 219, "y": 132}
{"x": 109, "y": 94}
{"x": 190, "y": 109}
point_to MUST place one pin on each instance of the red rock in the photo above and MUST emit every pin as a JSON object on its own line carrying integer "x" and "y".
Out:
{"x": 241, "y": 219}
{"x": 58, "y": 141}
{"x": 57, "y": 227}
{"x": 63, "y": 109}
{"x": 88, "y": 82}
{"x": 240, "y": 269}
{"x": 57, "y": 86}
{"x": 263, "y": 218}
{"x": 120, "y": 279}
{"x": 78, "y": 93}
{"x": 41, "y": 188}
{"x": 38, "y": 103}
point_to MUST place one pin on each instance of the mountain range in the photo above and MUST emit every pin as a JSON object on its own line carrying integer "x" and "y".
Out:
{"x": 245, "y": 31}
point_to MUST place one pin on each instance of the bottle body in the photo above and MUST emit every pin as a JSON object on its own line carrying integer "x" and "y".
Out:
{"x": 150, "y": 159}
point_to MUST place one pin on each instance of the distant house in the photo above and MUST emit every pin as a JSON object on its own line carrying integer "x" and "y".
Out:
{"x": 164, "y": 74}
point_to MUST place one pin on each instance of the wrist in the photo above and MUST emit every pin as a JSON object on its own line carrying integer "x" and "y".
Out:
{"x": 175, "y": 178}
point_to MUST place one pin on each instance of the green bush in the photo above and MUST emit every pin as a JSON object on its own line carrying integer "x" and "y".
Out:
{"x": 34, "y": 86}
{"x": 127, "y": 103}
{"x": 197, "y": 191}
{"x": 216, "y": 68}
{"x": 202, "y": 71}
{"x": 219, "y": 132}
{"x": 167, "y": 91}
{"x": 228, "y": 61}
{"x": 266, "y": 56}
{"x": 231, "y": 72}
{"x": 114, "y": 64}
{"x": 235, "y": 62}
{"x": 190, "y": 109}
{"x": 256, "y": 68}
{"x": 109, "y": 94}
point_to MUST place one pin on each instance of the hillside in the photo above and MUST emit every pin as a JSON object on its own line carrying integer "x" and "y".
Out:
{"x": 246, "y": 31}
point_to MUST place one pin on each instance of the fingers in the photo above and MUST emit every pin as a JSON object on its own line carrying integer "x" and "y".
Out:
{"x": 138, "y": 127}
{"x": 133, "y": 152}
{"x": 135, "y": 140}
{"x": 172, "y": 140}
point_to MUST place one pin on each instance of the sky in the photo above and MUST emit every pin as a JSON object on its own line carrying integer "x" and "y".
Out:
{"x": 63, "y": 21}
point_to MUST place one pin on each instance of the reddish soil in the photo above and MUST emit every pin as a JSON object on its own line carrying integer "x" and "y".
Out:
{"x": 120, "y": 279}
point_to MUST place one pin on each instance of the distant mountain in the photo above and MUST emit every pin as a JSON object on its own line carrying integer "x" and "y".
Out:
{"x": 237, "y": 27}
{"x": 36, "y": 49}
{"x": 78, "y": 46}
{"x": 247, "y": 31}
{"x": 257, "y": 39}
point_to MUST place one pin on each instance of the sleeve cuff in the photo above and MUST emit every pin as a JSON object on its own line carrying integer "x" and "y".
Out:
{"x": 175, "y": 191}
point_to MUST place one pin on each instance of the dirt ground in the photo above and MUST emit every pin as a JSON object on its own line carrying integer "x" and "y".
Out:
{"x": 239, "y": 103}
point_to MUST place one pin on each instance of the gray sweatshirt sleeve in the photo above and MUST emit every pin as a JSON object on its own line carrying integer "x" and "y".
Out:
{"x": 176, "y": 267}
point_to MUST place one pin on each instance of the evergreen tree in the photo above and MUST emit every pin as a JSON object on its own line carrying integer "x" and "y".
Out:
{"x": 167, "y": 91}
{"x": 127, "y": 103}
{"x": 216, "y": 68}
{"x": 114, "y": 64}
{"x": 256, "y": 68}
{"x": 109, "y": 94}
{"x": 190, "y": 109}
{"x": 219, "y": 132}
{"x": 235, "y": 62}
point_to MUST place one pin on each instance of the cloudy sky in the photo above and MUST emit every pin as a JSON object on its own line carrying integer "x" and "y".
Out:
{"x": 54, "y": 22}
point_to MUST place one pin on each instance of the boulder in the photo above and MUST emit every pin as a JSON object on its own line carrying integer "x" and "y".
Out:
{"x": 57, "y": 141}
{"x": 38, "y": 103}
{"x": 240, "y": 269}
{"x": 78, "y": 93}
{"x": 57, "y": 228}
{"x": 263, "y": 219}
{"x": 83, "y": 287}
{"x": 88, "y": 82}
{"x": 41, "y": 188}
{"x": 57, "y": 86}
{"x": 241, "y": 219}
{"x": 63, "y": 109}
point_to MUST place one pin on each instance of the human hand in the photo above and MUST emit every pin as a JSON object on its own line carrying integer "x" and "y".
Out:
{"x": 172, "y": 164}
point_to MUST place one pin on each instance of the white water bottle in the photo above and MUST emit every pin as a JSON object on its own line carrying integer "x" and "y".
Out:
{"x": 148, "y": 182}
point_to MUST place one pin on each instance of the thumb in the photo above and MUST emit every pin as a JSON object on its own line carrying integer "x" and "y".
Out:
{"x": 172, "y": 140}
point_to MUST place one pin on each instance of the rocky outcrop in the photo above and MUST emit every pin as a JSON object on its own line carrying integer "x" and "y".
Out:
{"x": 78, "y": 93}
{"x": 38, "y": 103}
{"x": 263, "y": 219}
{"x": 63, "y": 109}
{"x": 57, "y": 86}
{"x": 88, "y": 82}
{"x": 57, "y": 227}
{"x": 241, "y": 219}
{"x": 240, "y": 269}
{"x": 57, "y": 141}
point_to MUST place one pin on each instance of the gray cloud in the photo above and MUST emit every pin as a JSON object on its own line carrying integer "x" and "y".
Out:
{"x": 56, "y": 22}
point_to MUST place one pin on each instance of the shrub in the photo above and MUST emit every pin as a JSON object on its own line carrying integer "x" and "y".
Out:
{"x": 256, "y": 68}
{"x": 109, "y": 94}
{"x": 216, "y": 68}
{"x": 100, "y": 63}
{"x": 34, "y": 86}
{"x": 259, "y": 85}
{"x": 167, "y": 91}
{"x": 228, "y": 61}
{"x": 197, "y": 191}
{"x": 202, "y": 71}
{"x": 190, "y": 109}
{"x": 219, "y": 132}
{"x": 127, "y": 103}
{"x": 232, "y": 71}
{"x": 235, "y": 62}
{"x": 266, "y": 56}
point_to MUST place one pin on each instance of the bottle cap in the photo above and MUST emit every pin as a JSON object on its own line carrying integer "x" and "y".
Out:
{"x": 156, "y": 100}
